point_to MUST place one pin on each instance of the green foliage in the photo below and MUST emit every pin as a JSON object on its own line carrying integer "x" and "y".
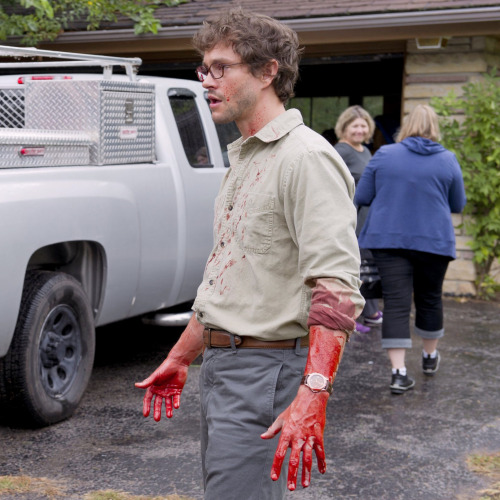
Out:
{"x": 475, "y": 140}
{"x": 37, "y": 21}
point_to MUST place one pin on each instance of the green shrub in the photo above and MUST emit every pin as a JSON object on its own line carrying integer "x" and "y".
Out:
{"x": 475, "y": 139}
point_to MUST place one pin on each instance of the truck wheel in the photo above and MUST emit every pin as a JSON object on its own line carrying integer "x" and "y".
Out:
{"x": 48, "y": 366}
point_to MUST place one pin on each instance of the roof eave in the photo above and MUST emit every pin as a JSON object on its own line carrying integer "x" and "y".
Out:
{"x": 335, "y": 29}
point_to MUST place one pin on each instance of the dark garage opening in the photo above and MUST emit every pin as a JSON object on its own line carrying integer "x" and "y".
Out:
{"x": 328, "y": 85}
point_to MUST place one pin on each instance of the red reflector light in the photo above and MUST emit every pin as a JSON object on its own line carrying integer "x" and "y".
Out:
{"x": 22, "y": 79}
{"x": 32, "y": 151}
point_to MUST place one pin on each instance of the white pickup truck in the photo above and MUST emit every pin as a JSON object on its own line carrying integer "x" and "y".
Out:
{"x": 107, "y": 185}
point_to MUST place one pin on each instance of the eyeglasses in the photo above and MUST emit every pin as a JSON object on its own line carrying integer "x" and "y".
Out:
{"x": 216, "y": 70}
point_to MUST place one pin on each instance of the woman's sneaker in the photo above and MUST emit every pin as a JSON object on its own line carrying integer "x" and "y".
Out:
{"x": 374, "y": 320}
{"x": 430, "y": 365}
{"x": 362, "y": 328}
{"x": 401, "y": 383}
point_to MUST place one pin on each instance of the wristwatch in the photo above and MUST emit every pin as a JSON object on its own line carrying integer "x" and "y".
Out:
{"x": 317, "y": 383}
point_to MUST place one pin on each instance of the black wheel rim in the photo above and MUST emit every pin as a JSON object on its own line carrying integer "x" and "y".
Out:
{"x": 60, "y": 350}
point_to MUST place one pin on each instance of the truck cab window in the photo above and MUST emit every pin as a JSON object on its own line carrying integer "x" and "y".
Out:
{"x": 190, "y": 127}
{"x": 228, "y": 133}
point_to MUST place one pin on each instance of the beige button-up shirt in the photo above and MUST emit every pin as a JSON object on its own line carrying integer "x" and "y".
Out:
{"x": 284, "y": 219}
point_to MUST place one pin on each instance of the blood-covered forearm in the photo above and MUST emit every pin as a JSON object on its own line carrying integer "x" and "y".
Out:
{"x": 302, "y": 424}
{"x": 190, "y": 343}
{"x": 325, "y": 351}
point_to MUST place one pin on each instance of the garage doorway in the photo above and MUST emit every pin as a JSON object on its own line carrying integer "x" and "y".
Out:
{"x": 327, "y": 86}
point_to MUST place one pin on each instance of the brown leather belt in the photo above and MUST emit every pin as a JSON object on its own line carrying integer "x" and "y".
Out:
{"x": 221, "y": 338}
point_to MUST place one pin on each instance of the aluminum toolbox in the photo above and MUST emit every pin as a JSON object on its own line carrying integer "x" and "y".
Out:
{"x": 119, "y": 116}
{"x": 36, "y": 148}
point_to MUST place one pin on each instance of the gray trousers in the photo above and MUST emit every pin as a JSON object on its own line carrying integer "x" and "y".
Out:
{"x": 242, "y": 391}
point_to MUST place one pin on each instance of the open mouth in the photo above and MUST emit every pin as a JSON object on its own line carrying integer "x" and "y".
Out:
{"x": 213, "y": 100}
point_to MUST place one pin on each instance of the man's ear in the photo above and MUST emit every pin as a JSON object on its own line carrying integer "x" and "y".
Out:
{"x": 269, "y": 71}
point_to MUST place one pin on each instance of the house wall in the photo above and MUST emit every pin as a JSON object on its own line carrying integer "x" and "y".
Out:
{"x": 436, "y": 72}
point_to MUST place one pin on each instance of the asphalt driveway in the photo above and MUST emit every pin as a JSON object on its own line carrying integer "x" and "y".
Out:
{"x": 379, "y": 446}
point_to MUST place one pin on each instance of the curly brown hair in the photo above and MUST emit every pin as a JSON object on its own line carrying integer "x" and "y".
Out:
{"x": 257, "y": 39}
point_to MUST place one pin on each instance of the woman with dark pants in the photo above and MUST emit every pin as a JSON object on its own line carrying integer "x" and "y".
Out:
{"x": 412, "y": 187}
{"x": 355, "y": 128}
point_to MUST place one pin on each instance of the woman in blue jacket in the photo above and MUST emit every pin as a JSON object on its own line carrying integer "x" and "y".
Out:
{"x": 412, "y": 187}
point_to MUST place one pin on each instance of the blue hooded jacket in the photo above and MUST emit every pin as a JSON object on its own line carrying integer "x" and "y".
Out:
{"x": 411, "y": 187}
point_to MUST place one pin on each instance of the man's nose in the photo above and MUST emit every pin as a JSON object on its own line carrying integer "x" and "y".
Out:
{"x": 209, "y": 81}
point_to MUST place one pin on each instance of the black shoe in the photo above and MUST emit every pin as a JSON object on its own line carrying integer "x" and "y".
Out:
{"x": 430, "y": 365}
{"x": 401, "y": 383}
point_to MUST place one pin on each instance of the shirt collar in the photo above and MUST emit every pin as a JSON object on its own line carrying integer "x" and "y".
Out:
{"x": 275, "y": 129}
{"x": 280, "y": 126}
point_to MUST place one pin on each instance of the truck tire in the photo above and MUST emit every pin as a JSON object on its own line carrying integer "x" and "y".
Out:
{"x": 46, "y": 371}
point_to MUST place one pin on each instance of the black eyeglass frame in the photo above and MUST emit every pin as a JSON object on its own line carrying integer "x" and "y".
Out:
{"x": 202, "y": 71}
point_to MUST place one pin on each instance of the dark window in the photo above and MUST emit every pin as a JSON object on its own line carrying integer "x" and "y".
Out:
{"x": 228, "y": 133}
{"x": 190, "y": 128}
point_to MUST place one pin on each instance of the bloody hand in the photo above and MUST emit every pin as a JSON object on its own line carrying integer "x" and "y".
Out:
{"x": 303, "y": 422}
{"x": 301, "y": 425}
{"x": 165, "y": 383}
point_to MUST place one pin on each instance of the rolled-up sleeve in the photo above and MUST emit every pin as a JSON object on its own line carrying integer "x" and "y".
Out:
{"x": 334, "y": 305}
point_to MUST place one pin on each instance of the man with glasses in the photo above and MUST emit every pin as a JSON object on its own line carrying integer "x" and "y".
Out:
{"x": 280, "y": 290}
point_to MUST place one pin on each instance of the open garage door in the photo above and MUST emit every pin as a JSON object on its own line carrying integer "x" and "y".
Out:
{"x": 328, "y": 85}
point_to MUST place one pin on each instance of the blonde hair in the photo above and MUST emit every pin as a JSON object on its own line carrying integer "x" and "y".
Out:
{"x": 351, "y": 114}
{"x": 421, "y": 122}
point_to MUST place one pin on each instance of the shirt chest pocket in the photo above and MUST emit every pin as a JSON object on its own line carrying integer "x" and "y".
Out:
{"x": 255, "y": 227}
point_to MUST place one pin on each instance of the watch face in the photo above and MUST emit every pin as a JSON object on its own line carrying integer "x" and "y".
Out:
{"x": 316, "y": 381}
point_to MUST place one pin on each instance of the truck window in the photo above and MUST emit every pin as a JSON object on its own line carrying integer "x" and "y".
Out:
{"x": 190, "y": 128}
{"x": 228, "y": 133}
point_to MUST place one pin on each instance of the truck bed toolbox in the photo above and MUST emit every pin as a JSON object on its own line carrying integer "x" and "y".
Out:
{"x": 43, "y": 148}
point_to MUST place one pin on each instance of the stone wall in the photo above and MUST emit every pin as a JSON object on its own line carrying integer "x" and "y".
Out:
{"x": 435, "y": 72}
{"x": 461, "y": 274}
